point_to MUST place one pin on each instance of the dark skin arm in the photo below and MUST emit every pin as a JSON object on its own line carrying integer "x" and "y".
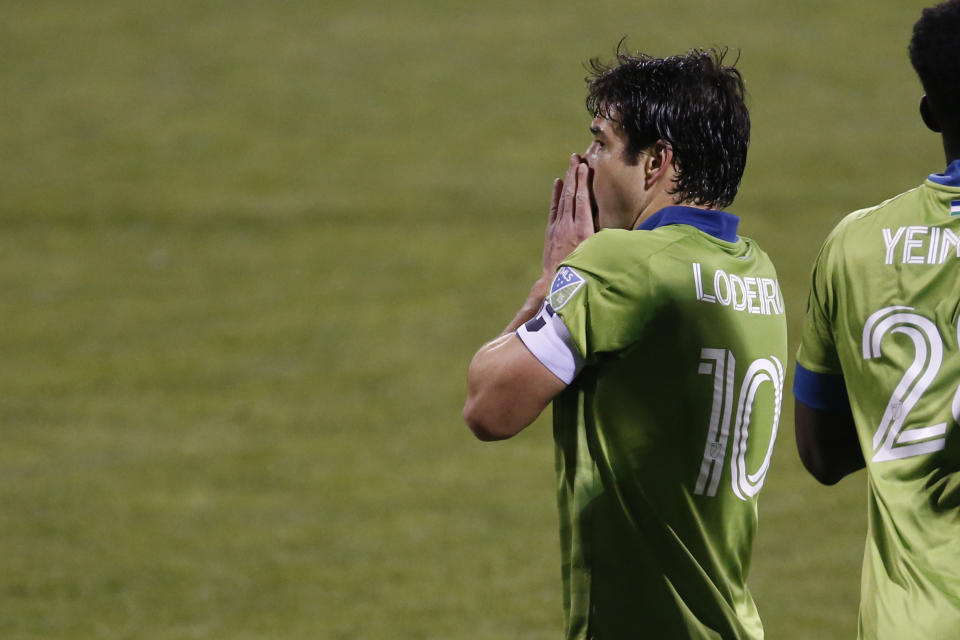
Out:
{"x": 827, "y": 443}
{"x": 827, "y": 440}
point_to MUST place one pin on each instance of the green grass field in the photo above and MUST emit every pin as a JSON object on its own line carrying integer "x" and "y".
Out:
{"x": 247, "y": 250}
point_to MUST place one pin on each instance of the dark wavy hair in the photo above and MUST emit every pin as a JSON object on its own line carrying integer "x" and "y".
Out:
{"x": 693, "y": 102}
{"x": 935, "y": 55}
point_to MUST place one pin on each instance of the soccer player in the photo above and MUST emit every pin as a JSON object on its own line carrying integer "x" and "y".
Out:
{"x": 879, "y": 367}
{"x": 661, "y": 341}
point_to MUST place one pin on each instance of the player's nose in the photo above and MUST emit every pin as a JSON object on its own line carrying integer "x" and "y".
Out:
{"x": 589, "y": 156}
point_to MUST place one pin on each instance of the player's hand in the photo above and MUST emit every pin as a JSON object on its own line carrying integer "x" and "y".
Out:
{"x": 571, "y": 216}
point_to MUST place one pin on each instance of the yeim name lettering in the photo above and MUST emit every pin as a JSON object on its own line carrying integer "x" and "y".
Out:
{"x": 742, "y": 293}
{"x": 920, "y": 245}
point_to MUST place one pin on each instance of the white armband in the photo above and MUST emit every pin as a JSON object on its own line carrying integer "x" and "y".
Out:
{"x": 549, "y": 341}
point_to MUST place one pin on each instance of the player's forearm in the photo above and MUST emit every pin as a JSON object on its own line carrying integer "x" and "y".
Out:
{"x": 827, "y": 443}
{"x": 531, "y": 305}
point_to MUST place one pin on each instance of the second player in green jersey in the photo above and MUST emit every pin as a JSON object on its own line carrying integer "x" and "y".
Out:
{"x": 878, "y": 370}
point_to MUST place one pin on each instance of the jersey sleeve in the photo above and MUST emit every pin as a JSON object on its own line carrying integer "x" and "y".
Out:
{"x": 604, "y": 303}
{"x": 823, "y": 391}
{"x": 818, "y": 379}
{"x": 818, "y": 350}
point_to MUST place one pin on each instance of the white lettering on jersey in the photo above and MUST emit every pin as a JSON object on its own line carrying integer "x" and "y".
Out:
{"x": 912, "y": 243}
{"x": 697, "y": 283}
{"x": 891, "y": 243}
{"x": 920, "y": 245}
{"x": 747, "y": 293}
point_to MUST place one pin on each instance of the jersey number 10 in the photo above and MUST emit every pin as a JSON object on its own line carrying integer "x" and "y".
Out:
{"x": 721, "y": 364}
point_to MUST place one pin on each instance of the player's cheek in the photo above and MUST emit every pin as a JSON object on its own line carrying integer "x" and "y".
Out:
{"x": 603, "y": 191}
{"x": 594, "y": 208}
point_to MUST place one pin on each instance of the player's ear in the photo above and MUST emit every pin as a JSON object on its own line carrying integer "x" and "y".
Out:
{"x": 927, "y": 114}
{"x": 658, "y": 160}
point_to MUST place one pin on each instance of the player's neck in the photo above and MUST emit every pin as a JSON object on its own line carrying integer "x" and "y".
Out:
{"x": 655, "y": 205}
{"x": 660, "y": 201}
{"x": 952, "y": 151}
{"x": 951, "y": 144}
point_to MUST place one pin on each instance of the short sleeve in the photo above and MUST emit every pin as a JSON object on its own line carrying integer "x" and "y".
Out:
{"x": 818, "y": 350}
{"x": 825, "y": 392}
{"x": 605, "y": 304}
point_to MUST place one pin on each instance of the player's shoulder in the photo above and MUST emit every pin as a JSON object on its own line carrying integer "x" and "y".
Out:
{"x": 851, "y": 224}
{"x": 611, "y": 248}
{"x": 750, "y": 248}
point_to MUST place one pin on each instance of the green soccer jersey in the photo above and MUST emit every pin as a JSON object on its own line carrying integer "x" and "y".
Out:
{"x": 883, "y": 312}
{"x": 664, "y": 436}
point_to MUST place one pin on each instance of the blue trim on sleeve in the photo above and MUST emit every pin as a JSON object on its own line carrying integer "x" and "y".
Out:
{"x": 825, "y": 392}
{"x": 949, "y": 178}
{"x": 718, "y": 224}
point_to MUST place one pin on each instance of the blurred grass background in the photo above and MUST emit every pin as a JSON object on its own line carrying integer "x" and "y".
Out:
{"x": 247, "y": 250}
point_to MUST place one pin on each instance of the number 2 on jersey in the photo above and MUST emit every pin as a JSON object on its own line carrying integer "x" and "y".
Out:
{"x": 891, "y": 441}
{"x": 721, "y": 364}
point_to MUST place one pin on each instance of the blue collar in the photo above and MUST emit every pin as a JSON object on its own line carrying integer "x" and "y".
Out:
{"x": 950, "y": 178}
{"x": 718, "y": 224}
